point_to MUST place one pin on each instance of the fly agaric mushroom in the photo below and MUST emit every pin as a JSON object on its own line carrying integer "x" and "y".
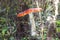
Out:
{"x": 28, "y": 11}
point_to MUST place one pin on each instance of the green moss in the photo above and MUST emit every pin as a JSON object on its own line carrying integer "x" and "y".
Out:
{"x": 58, "y": 29}
{"x": 58, "y": 23}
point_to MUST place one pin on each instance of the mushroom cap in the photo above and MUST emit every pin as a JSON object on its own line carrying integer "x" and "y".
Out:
{"x": 28, "y": 11}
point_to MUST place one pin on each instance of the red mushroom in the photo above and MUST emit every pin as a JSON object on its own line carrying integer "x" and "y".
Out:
{"x": 28, "y": 11}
